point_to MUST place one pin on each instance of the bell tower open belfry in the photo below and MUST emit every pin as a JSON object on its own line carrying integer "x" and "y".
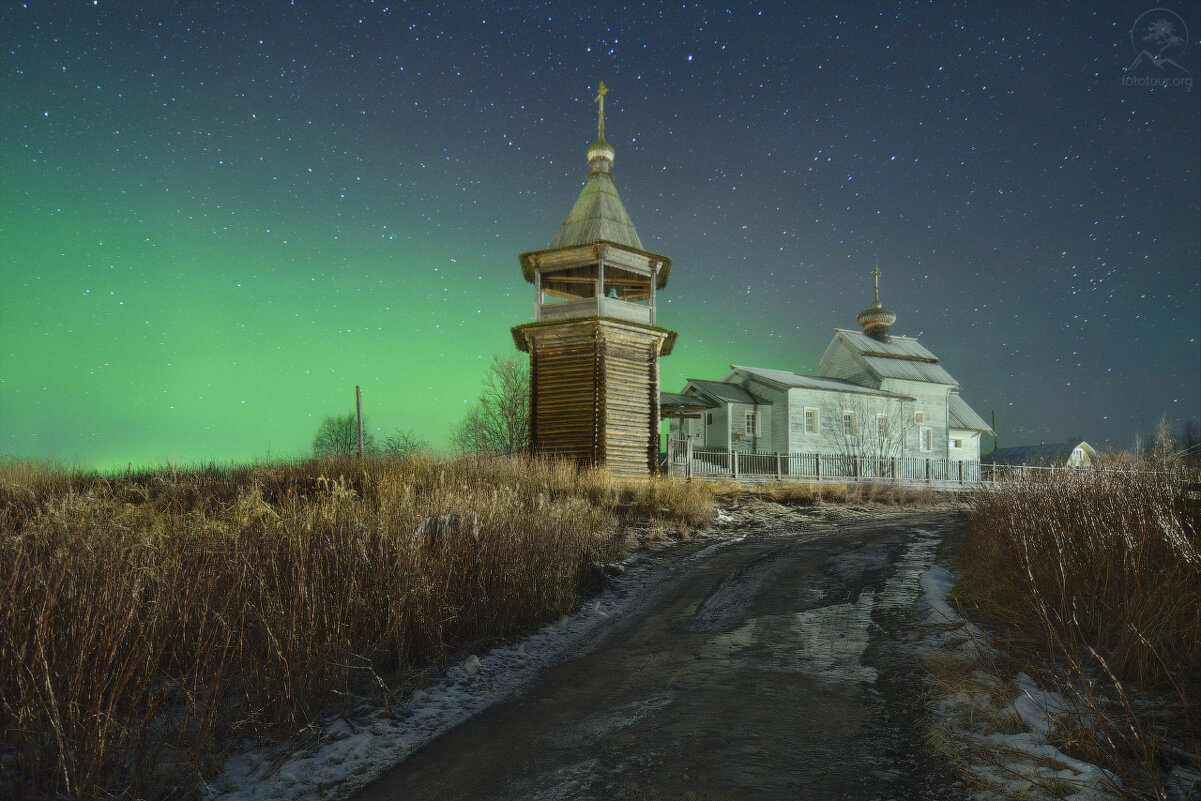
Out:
{"x": 594, "y": 346}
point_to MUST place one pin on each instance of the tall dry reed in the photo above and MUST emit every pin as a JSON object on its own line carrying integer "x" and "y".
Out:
{"x": 1093, "y": 582}
{"x": 147, "y": 620}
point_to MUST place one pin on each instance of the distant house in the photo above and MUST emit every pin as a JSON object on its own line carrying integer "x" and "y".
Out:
{"x": 1073, "y": 453}
{"x": 875, "y": 395}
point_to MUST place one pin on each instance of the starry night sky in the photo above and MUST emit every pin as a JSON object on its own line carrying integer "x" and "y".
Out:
{"x": 216, "y": 218}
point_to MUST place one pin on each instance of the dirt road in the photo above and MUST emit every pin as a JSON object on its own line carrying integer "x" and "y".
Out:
{"x": 775, "y": 668}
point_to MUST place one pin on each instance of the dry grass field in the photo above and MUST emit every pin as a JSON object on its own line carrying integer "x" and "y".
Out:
{"x": 1092, "y": 583}
{"x": 149, "y": 620}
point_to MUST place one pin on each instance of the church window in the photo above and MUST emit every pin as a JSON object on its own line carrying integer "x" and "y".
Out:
{"x": 955, "y": 442}
{"x": 812, "y": 421}
{"x": 882, "y": 426}
{"x": 919, "y": 417}
{"x": 752, "y": 423}
{"x": 927, "y": 442}
{"x": 850, "y": 424}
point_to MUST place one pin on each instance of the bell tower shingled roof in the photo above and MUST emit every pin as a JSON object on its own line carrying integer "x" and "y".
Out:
{"x": 598, "y": 213}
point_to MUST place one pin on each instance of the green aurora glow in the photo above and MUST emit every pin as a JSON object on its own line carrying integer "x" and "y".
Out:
{"x": 215, "y": 222}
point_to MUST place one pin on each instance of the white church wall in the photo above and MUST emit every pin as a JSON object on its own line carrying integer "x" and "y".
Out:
{"x": 753, "y": 438}
{"x": 775, "y": 438}
{"x": 927, "y": 410}
{"x": 868, "y": 435}
{"x": 841, "y": 361}
{"x": 963, "y": 444}
{"x": 717, "y": 429}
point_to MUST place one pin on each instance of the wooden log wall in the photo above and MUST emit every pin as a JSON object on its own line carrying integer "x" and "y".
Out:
{"x": 595, "y": 393}
{"x": 631, "y": 389}
{"x": 563, "y": 385}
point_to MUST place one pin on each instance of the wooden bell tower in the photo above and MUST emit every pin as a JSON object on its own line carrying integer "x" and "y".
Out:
{"x": 594, "y": 346}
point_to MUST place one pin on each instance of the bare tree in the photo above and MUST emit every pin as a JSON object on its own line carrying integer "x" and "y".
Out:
{"x": 403, "y": 443}
{"x": 867, "y": 431}
{"x": 339, "y": 436}
{"x": 499, "y": 422}
{"x": 1162, "y": 451}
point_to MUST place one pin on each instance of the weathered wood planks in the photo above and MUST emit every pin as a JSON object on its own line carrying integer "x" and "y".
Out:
{"x": 595, "y": 392}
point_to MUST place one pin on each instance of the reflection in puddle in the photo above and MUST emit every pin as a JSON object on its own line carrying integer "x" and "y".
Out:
{"x": 826, "y": 644}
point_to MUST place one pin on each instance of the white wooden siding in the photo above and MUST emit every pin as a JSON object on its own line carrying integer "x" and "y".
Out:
{"x": 740, "y": 440}
{"x": 717, "y": 432}
{"x": 931, "y": 400}
{"x": 971, "y": 444}
{"x": 842, "y": 361}
{"x": 775, "y": 435}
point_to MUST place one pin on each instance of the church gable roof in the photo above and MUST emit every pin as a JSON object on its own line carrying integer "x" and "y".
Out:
{"x": 963, "y": 416}
{"x": 900, "y": 357}
{"x": 598, "y": 215}
{"x": 785, "y": 379}
{"x": 677, "y": 399}
{"x": 724, "y": 392}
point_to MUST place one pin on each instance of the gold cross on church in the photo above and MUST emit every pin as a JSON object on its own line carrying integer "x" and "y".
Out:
{"x": 876, "y": 276}
{"x": 600, "y": 117}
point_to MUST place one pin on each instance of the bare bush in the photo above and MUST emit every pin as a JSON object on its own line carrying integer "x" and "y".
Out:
{"x": 1092, "y": 581}
{"x": 403, "y": 443}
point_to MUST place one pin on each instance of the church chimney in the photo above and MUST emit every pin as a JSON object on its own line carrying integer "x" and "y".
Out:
{"x": 876, "y": 320}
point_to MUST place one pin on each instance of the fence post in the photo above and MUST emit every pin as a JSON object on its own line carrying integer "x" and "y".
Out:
{"x": 688, "y": 458}
{"x": 857, "y": 465}
{"x": 779, "y": 467}
{"x": 961, "y": 471}
{"x": 817, "y": 460}
{"x": 927, "y": 469}
{"x": 734, "y": 462}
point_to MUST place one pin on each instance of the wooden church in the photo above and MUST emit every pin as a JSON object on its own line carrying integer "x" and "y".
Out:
{"x": 875, "y": 395}
{"x": 594, "y": 347}
{"x": 594, "y": 365}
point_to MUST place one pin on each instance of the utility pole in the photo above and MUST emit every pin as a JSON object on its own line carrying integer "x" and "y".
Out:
{"x": 358, "y": 407}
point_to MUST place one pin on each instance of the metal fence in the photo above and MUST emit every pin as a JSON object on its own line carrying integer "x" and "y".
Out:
{"x": 686, "y": 461}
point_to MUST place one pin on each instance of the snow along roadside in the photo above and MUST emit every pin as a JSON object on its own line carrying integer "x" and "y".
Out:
{"x": 1019, "y": 764}
{"x": 357, "y": 747}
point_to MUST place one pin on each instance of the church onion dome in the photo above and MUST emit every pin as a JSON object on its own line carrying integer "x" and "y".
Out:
{"x": 876, "y": 319}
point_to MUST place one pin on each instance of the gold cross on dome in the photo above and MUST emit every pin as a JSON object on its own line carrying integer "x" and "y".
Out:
{"x": 876, "y": 275}
{"x": 600, "y": 116}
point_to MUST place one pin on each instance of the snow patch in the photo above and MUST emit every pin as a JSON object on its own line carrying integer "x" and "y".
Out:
{"x": 1184, "y": 783}
{"x": 1037, "y": 708}
{"x": 936, "y": 583}
{"x": 1023, "y": 764}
